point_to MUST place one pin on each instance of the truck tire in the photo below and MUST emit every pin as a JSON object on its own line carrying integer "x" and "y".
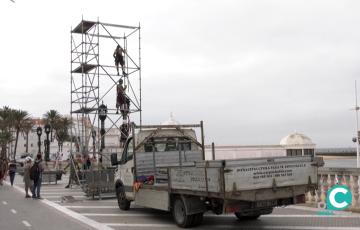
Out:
{"x": 197, "y": 219}
{"x": 240, "y": 216}
{"x": 180, "y": 216}
{"x": 123, "y": 203}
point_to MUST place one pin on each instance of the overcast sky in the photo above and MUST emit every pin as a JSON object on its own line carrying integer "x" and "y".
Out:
{"x": 253, "y": 71}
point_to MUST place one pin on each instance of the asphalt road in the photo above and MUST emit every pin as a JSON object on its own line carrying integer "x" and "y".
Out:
{"x": 83, "y": 213}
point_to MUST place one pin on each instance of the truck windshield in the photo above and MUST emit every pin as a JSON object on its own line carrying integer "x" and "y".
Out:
{"x": 128, "y": 153}
{"x": 130, "y": 150}
{"x": 168, "y": 144}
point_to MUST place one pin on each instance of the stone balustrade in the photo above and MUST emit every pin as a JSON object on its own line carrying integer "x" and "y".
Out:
{"x": 328, "y": 177}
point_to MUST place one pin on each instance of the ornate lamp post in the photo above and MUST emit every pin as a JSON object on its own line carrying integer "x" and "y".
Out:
{"x": 102, "y": 117}
{"x": 47, "y": 142}
{"x": 39, "y": 132}
{"x": 60, "y": 143}
{"x": 93, "y": 135}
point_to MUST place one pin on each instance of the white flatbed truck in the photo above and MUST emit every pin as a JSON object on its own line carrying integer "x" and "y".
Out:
{"x": 163, "y": 167}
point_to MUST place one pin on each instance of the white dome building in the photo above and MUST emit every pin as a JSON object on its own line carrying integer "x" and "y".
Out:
{"x": 297, "y": 140}
{"x": 297, "y": 144}
{"x": 170, "y": 121}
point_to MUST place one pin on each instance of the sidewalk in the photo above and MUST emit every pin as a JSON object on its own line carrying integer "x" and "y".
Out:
{"x": 17, "y": 213}
{"x": 52, "y": 195}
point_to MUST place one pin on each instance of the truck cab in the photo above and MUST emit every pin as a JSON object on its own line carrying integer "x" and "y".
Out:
{"x": 156, "y": 149}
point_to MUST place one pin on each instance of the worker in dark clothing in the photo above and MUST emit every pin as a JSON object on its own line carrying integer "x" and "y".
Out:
{"x": 120, "y": 97}
{"x": 119, "y": 59}
{"x": 74, "y": 166}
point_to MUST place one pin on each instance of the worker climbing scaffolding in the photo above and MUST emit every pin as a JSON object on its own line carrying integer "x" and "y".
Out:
{"x": 124, "y": 133}
{"x": 119, "y": 59}
{"x": 121, "y": 102}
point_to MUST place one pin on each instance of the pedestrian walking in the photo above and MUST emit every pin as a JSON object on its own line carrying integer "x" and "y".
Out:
{"x": 12, "y": 171}
{"x": 73, "y": 164}
{"x": 28, "y": 182}
{"x": 86, "y": 162}
{"x": 57, "y": 161}
{"x": 36, "y": 172}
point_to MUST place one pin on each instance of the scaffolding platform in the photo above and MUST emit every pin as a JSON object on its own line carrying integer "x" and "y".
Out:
{"x": 85, "y": 110}
{"x": 83, "y": 27}
{"x": 84, "y": 68}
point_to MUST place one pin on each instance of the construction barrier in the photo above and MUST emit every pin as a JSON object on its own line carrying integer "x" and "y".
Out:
{"x": 98, "y": 182}
{"x": 51, "y": 176}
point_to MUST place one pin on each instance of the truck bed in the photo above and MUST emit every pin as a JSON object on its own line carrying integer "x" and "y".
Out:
{"x": 246, "y": 179}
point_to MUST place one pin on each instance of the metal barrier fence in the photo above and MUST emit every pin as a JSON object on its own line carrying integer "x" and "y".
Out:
{"x": 50, "y": 176}
{"x": 98, "y": 182}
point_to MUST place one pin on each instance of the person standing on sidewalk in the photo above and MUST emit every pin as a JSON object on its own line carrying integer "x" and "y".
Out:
{"x": 12, "y": 171}
{"x": 27, "y": 180}
{"x": 36, "y": 175}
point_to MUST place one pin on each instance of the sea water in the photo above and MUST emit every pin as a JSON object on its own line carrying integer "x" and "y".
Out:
{"x": 340, "y": 162}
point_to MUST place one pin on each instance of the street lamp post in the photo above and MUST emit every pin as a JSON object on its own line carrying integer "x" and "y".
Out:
{"x": 357, "y": 138}
{"x": 60, "y": 143}
{"x": 102, "y": 117}
{"x": 93, "y": 134}
{"x": 47, "y": 142}
{"x": 39, "y": 132}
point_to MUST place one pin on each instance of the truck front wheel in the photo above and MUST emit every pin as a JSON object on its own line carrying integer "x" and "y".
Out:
{"x": 179, "y": 213}
{"x": 123, "y": 203}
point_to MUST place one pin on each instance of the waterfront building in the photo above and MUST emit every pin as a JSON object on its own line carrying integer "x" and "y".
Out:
{"x": 294, "y": 144}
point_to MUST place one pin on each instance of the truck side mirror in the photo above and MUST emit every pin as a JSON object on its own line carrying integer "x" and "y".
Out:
{"x": 114, "y": 160}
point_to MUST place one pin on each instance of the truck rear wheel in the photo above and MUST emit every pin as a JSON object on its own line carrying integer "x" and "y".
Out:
{"x": 197, "y": 219}
{"x": 123, "y": 203}
{"x": 180, "y": 216}
{"x": 253, "y": 215}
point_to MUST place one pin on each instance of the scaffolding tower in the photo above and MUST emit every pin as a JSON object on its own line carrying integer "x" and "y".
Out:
{"x": 94, "y": 81}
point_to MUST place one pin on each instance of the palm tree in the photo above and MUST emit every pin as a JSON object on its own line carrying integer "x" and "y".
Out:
{"x": 27, "y": 128}
{"x": 5, "y": 138}
{"x": 62, "y": 130}
{"x": 6, "y": 121}
{"x": 51, "y": 117}
{"x": 21, "y": 119}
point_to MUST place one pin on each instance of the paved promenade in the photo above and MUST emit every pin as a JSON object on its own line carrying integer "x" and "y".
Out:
{"x": 55, "y": 212}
